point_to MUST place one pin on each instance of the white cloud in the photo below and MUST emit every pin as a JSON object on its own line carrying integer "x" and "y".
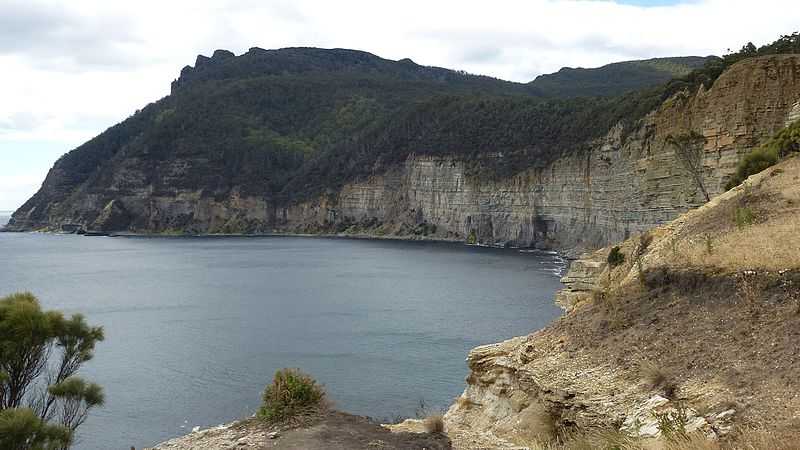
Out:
{"x": 71, "y": 69}
{"x": 16, "y": 189}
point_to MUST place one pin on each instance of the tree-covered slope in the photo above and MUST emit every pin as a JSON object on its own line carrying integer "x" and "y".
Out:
{"x": 281, "y": 123}
{"x": 288, "y": 124}
{"x": 616, "y": 78}
{"x": 257, "y": 118}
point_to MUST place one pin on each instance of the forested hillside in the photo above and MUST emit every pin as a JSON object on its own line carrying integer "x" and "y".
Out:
{"x": 286, "y": 125}
{"x": 616, "y": 78}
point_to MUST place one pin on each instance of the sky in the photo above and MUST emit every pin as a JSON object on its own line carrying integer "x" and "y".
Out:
{"x": 71, "y": 69}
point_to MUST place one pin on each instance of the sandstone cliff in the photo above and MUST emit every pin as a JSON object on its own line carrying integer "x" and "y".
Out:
{"x": 625, "y": 182}
{"x": 697, "y": 325}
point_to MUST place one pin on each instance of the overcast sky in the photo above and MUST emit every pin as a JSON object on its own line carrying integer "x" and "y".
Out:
{"x": 70, "y": 69}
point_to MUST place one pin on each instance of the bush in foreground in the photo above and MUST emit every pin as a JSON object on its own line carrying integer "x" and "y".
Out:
{"x": 292, "y": 393}
{"x": 42, "y": 401}
{"x": 784, "y": 143}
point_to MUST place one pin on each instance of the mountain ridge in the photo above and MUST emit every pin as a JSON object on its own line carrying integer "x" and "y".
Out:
{"x": 258, "y": 62}
{"x": 253, "y": 153}
{"x": 279, "y": 114}
{"x": 616, "y": 78}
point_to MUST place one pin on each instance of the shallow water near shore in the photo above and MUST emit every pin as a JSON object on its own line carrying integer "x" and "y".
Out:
{"x": 195, "y": 327}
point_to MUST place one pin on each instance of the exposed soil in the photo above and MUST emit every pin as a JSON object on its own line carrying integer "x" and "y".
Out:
{"x": 710, "y": 340}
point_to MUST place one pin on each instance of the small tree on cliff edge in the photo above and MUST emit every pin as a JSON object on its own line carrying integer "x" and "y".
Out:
{"x": 42, "y": 401}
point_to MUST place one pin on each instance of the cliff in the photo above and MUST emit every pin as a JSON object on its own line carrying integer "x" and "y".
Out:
{"x": 694, "y": 330}
{"x": 637, "y": 175}
{"x": 626, "y": 182}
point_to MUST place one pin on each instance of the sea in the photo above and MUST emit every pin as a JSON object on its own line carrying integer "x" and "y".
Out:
{"x": 195, "y": 327}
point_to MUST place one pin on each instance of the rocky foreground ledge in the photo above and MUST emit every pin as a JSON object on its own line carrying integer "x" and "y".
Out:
{"x": 695, "y": 329}
{"x": 330, "y": 430}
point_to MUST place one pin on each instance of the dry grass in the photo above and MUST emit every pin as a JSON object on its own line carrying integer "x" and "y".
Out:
{"x": 653, "y": 374}
{"x": 752, "y": 439}
{"x": 464, "y": 402}
{"x": 536, "y": 426}
{"x": 657, "y": 379}
{"x": 771, "y": 245}
{"x": 589, "y": 440}
{"x": 750, "y": 228}
{"x": 434, "y": 423}
{"x": 760, "y": 439}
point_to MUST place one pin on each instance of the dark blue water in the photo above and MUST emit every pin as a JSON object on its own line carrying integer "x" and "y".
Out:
{"x": 195, "y": 327}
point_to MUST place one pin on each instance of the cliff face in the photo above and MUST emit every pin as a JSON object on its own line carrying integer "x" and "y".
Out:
{"x": 698, "y": 323}
{"x": 627, "y": 182}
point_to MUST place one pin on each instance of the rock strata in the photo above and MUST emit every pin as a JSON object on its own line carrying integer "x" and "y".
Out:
{"x": 682, "y": 334}
{"x": 635, "y": 177}
{"x": 627, "y": 182}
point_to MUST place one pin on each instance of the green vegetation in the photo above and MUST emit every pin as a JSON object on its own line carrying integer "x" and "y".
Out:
{"x": 42, "y": 401}
{"x": 291, "y": 124}
{"x": 614, "y": 79}
{"x": 714, "y": 67}
{"x": 291, "y": 394}
{"x": 708, "y": 240}
{"x": 23, "y": 429}
{"x": 785, "y": 142}
{"x": 615, "y": 257}
{"x": 743, "y": 217}
{"x": 672, "y": 424}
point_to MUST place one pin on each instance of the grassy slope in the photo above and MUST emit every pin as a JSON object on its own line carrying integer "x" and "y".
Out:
{"x": 711, "y": 308}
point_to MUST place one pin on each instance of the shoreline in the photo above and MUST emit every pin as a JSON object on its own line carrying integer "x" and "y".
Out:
{"x": 564, "y": 253}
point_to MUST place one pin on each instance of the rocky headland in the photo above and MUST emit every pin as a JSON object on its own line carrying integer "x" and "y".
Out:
{"x": 699, "y": 320}
{"x": 687, "y": 325}
{"x": 635, "y": 177}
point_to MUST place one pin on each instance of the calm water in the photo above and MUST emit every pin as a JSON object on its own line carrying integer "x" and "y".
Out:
{"x": 195, "y": 327}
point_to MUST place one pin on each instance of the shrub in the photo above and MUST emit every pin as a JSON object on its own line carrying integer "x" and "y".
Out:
{"x": 43, "y": 349}
{"x": 672, "y": 424}
{"x": 615, "y": 257}
{"x": 709, "y": 242}
{"x": 743, "y": 217}
{"x": 434, "y": 423}
{"x": 638, "y": 255}
{"x": 657, "y": 378}
{"x": 753, "y": 163}
{"x": 23, "y": 429}
{"x": 783, "y": 143}
{"x": 291, "y": 394}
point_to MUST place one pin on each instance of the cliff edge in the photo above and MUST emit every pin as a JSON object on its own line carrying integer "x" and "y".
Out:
{"x": 497, "y": 168}
{"x": 694, "y": 329}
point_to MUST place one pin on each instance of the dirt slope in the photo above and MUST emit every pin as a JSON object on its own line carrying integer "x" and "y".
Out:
{"x": 703, "y": 317}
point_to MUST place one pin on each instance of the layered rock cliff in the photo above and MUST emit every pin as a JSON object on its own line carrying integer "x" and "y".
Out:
{"x": 693, "y": 333}
{"x": 636, "y": 176}
{"x": 627, "y": 182}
